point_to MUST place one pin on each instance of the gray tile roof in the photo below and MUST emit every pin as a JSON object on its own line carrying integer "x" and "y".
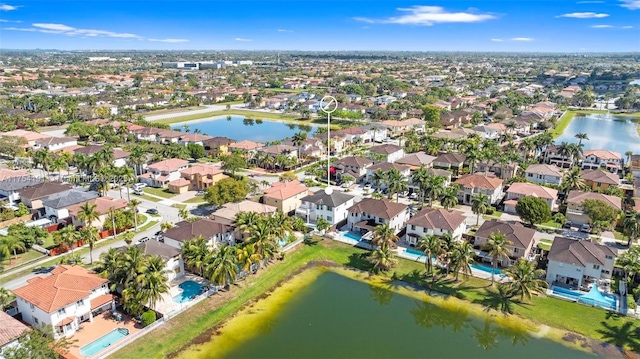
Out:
{"x": 572, "y": 251}
{"x": 156, "y": 248}
{"x": 18, "y": 183}
{"x": 335, "y": 199}
{"x": 68, "y": 198}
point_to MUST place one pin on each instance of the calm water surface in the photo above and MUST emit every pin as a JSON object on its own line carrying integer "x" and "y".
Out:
{"x": 240, "y": 128}
{"x": 609, "y": 132}
{"x": 337, "y": 317}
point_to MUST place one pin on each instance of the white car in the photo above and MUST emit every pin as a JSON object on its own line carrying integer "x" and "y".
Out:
{"x": 367, "y": 187}
{"x": 139, "y": 186}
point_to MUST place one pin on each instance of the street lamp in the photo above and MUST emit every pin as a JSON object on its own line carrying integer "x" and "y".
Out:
{"x": 328, "y": 104}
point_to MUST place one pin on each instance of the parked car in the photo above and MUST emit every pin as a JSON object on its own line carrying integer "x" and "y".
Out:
{"x": 143, "y": 239}
{"x": 367, "y": 187}
{"x": 567, "y": 225}
{"x": 138, "y": 192}
{"x": 200, "y": 193}
{"x": 152, "y": 211}
{"x": 139, "y": 185}
{"x": 586, "y": 228}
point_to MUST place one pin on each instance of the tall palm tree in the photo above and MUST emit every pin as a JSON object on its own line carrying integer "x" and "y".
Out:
{"x": 280, "y": 224}
{"x": 497, "y": 248}
{"x": 89, "y": 235}
{"x": 11, "y": 244}
{"x": 247, "y": 256}
{"x": 133, "y": 204}
{"x": 572, "y": 180}
{"x": 44, "y": 159}
{"x": 419, "y": 179}
{"x": 152, "y": 280}
{"x": 262, "y": 236}
{"x": 67, "y": 236}
{"x": 298, "y": 139}
{"x": 525, "y": 279}
{"x": 631, "y": 226}
{"x": 449, "y": 197}
{"x": 223, "y": 267}
{"x": 434, "y": 188}
{"x": 195, "y": 251}
{"x": 384, "y": 236}
{"x": 581, "y": 136}
{"x": 382, "y": 258}
{"x": 396, "y": 183}
{"x": 379, "y": 177}
{"x": 88, "y": 213}
{"x": 479, "y": 205}
{"x": 432, "y": 249}
{"x": 462, "y": 257}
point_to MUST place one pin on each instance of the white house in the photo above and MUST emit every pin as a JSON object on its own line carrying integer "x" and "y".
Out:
{"x": 55, "y": 143}
{"x": 519, "y": 189}
{"x": 11, "y": 330}
{"x": 56, "y": 206}
{"x": 174, "y": 264}
{"x": 355, "y": 167}
{"x": 67, "y": 297}
{"x": 383, "y": 167}
{"x": 472, "y": 184}
{"x": 388, "y": 152}
{"x": 577, "y": 263}
{"x": 216, "y": 233}
{"x": 595, "y": 159}
{"x": 332, "y": 207}
{"x": 435, "y": 221}
{"x": 543, "y": 174}
{"x": 369, "y": 213}
{"x": 10, "y": 187}
{"x": 487, "y": 132}
{"x": 120, "y": 156}
{"x": 159, "y": 174}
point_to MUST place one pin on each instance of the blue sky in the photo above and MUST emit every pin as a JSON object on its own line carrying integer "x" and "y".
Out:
{"x": 515, "y": 25}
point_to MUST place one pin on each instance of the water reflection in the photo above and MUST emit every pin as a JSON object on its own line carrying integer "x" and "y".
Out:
{"x": 381, "y": 295}
{"x": 429, "y": 315}
{"x": 248, "y": 121}
{"x": 487, "y": 335}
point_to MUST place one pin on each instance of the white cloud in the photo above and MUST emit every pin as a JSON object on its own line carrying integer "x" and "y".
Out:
{"x": 497, "y": 40}
{"x": 242, "y": 39}
{"x": 5, "y": 20}
{"x": 55, "y": 27}
{"x": 171, "y": 41}
{"x": 584, "y": 15}
{"x": 284, "y": 30}
{"x": 601, "y": 26}
{"x": 631, "y": 4}
{"x": 427, "y": 16}
{"x": 522, "y": 39}
{"x": 7, "y": 7}
{"x": 627, "y": 27}
{"x": 19, "y": 29}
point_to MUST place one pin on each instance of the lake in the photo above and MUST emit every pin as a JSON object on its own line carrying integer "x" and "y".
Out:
{"x": 329, "y": 315}
{"x": 609, "y": 132}
{"x": 241, "y": 128}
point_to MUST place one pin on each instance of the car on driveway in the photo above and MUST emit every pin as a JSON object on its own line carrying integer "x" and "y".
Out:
{"x": 367, "y": 187}
{"x": 143, "y": 239}
{"x": 200, "y": 193}
{"x": 586, "y": 228}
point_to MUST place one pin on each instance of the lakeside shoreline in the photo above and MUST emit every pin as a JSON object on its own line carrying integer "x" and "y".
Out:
{"x": 565, "y": 119}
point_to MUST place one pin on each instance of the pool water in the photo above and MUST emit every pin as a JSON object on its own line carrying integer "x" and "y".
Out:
{"x": 104, "y": 341}
{"x": 486, "y": 269}
{"x": 190, "y": 290}
{"x": 355, "y": 237}
{"x": 610, "y": 301}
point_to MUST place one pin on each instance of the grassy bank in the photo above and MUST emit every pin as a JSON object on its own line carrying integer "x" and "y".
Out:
{"x": 562, "y": 123}
{"x": 565, "y": 120}
{"x": 178, "y": 332}
{"x": 234, "y": 112}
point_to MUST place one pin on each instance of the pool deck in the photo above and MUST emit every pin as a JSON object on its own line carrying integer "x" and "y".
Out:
{"x": 167, "y": 304}
{"x": 101, "y": 325}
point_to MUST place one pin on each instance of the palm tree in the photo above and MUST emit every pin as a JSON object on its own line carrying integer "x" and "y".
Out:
{"x": 384, "y": 236}
{"x": 581, "y": 136}
{"x": 379, "y": 177}
{"x": 434, "y": 188}
{"x": 420, "y": 178}
{"x": 262, "y": 236}
{"x": 183, "y": 213}
{"x": 631, "y": 226}
{"x": 247, "y": 256}
{"x": 244, "y": 220}
{"x": 67, "y": 236}
{"x": 497, "y": 248}
{"x": 479, "y": 205}
{"x": 449, "y": 197}
{"x": 88, "y": 213}
{"x": 44, "y": 159}
{"x": 11, "y": 244}
{"x": 572, "y": 180}
{"x": 462, "y": 257}
{"x": 382, "y": 259}
{"x": 525, "y": 279}
{"x": 298, "y": 139}
{"x": 133, "y": 204}
{"x": 152, "y": 280}
{"x": 322, "y": 224}
{"x": 89, "y": 235}
{"x": 396, "y": 183}
{"x": 5, "y": 298}
{"x": 223, "y": 267}
{"x": 432, "y": 249}
{"x": 195, "y": 251}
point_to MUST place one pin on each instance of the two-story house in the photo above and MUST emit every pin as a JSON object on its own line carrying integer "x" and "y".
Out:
{"x": 11, "y": 329}
{"x": 214, "y": 232}
{"x": 575, "y": 211}
{"x": 576, "y": 263}
{"x": 634, "y": 165}
{"x": 174, "y": 264}
{"x": 32, "y": 196}
{"x": 202, "y": 176}
{"x": 369, "y": 213}
{"x": 355, "y": 167}
{"x": 552, "y": 155}
{"x": 159, "y": 174}
{"x": 594, "y": 159}
{"x": 103, "y": 206}
{"x": 332, "y": 207}
{"x": 285, "y": 196}
{"x": 398, "y": 128}
{"x": 521, "y": 189}
{"x": 55, "y": 143}
{"x": 600, "y": 180}
{"x": 504, "y": 171}
{"x": 216, "y": 146}
{"x": 386, "y": 153}
{"x": 67, "y": 297}
{"x": 450, "y": 161}
{"x": 416, "y": 160}
{"x": 56, "y": 206}
{"x": 120, "y": 157}
{"x": 520, "y": 240}
{"x": 246, "y": 147}
{"x": 435, "y": 221}
{"x": 544, "y": 174}
{"x": 10, "y": 187}
{"x": 384, "y": 167}
{"x": 227, "y": 213}
{"x": 472, "y": 184}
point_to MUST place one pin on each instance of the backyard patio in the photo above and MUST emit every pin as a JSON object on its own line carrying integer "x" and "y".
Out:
{"x": 169, "y": 305}
{"x": 101, "y": 325}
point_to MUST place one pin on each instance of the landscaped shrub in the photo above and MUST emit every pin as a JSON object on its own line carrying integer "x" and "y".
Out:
{"x": 148, "y": 317}
{"x": 631, "y": 303}
{"x": 490, "y": 210}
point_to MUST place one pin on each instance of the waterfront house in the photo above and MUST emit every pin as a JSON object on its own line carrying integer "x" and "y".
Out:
{"x": 605, "y": 159}
{"x": 227, "y": 213}
{"x": 575, "y": 211}
{"x": 172, "y": 257}
{"x": 332, "y": 207}
{"x": 214, "y": 232}
{"x": 64, "y": 299}
{"x": 472, "y": 184}
{"x": 543, "y": 174}
{"x": 369, "y": 213}
{"x": 552, "y": 156}
{"x": 634, "y": 165}
{"x": 285, "y": 196}
{"x": 435, "y": 221}
{"x": 576, "y": 263}
{"x": 600, "y": 180}
{"x": 215, "y": 146}
{"x": 520, "y": 238}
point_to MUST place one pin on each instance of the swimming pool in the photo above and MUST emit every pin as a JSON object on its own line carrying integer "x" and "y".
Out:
{"x": 603, "y": 300}
{"x": 486, "y": 269}
{"x": 352, "y": 236}
{"x": 104, "y": 341}
{"x": 190, "y": 290}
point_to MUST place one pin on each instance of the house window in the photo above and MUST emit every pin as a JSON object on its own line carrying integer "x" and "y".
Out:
{"x": 608, "y": 257}
{"x": 516, "y": 250}
{"x": 80, "y": 302}
{"x": 330, "y": 219}
{"x": 35, "y": 320}
{"x": 62, "y": 311}
{"x": 596, "y": 266}
{"x": 413, "y": 227}
{"x": 32, "y": 306}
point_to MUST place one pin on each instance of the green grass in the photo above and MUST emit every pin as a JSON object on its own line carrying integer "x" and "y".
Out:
{"x": 21, "y": 259}
{"x": 171, "y": 337}
{"x": 179, "y": 206}
{"x": 617, "y": 235}
{"x": 562, "y": 123}
{"x": 160, "y": 192}
{"x": 196, "y": 200}
{"x": 150, "y": 224}
{"x": 551, "y": 224}
{"x": 149, "y": 198}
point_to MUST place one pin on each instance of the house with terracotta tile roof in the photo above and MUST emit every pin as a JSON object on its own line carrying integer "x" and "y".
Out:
{"x": 159, "y": 174}
{"x": 285, "y": 196}
{"x": 11, "y": 329}
{"x": 398, "y": 128}
{"x": 595, "y": 159}
{"x": 245, "y": 146}
{"x": 520, "y": 189}
{"x": 600, "y": 180}
{"x": 520, "y": 238}
{"x": 201, "y": 176}
{"x": 576, "y": 263}
{"x": 575, "y": 211}
{"x": 103, "y": 206}
{"x": 435, "y": 222}
{"x": 65, "y": 298}
{"x": 472, "y": 184}
{"x": 367, "y": 214}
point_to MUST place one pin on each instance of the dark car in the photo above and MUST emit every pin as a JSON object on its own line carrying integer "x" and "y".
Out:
{"x": 152, "y": 211}
{"x": 45, "y": 270}
{"x": 567, "y": 225}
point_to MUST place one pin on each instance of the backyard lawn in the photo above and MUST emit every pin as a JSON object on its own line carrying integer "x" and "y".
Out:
{"x": 176, "y": 333}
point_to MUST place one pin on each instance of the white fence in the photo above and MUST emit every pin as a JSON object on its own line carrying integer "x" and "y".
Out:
{"x": 128, "y": 340}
